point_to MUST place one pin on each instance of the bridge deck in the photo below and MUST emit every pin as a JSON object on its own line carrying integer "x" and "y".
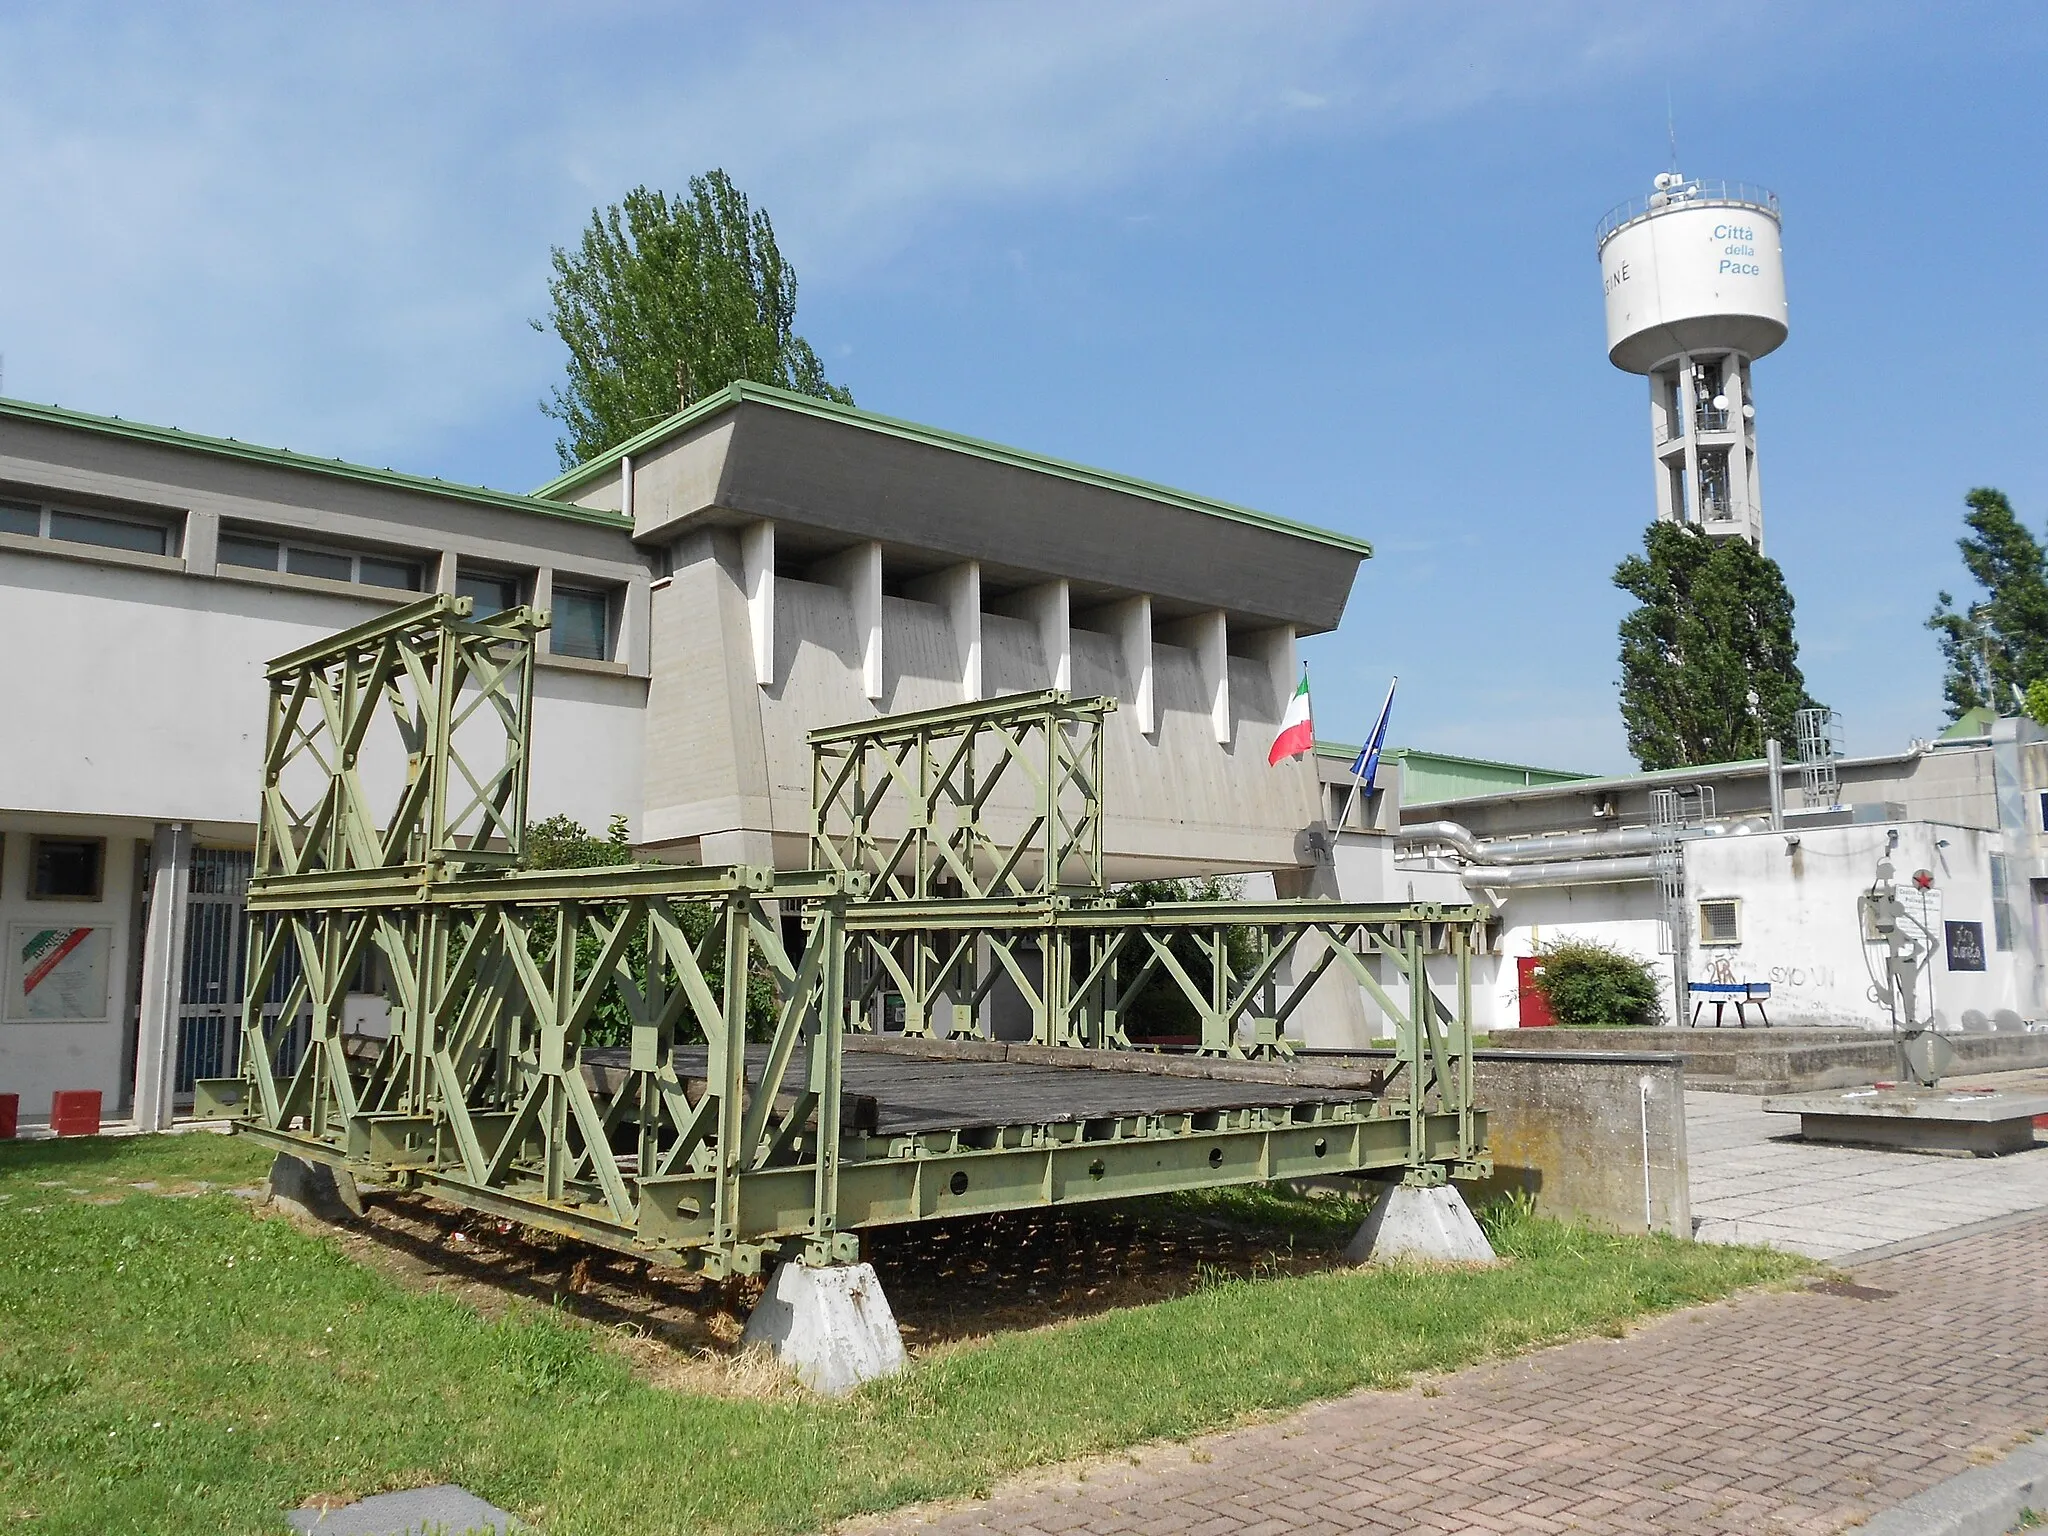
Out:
{"x": 895, "y": 1092}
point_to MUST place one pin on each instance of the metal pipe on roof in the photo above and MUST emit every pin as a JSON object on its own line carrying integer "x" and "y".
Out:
{"x": 1774, "y": 760}
{"x": 1613, "y": 871}
{"x": 1531, "y": 850}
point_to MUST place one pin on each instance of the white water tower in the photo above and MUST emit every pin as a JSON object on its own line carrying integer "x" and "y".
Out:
{"x": 1695, "y": 281}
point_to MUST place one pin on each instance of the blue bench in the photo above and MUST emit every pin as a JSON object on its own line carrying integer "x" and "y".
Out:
{"x": 1722, "y": 993}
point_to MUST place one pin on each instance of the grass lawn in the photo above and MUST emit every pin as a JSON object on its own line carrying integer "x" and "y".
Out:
{"x": 170, "y": 1362}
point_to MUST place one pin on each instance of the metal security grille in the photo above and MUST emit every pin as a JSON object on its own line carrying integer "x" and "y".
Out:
{"x": 1721, "y": 921}
{"x": 210, "y": 991}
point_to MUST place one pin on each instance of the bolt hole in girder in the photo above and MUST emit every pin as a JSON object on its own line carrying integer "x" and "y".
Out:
{"x": 958, "y": 1184}
{"x": 1096, "y": 1170}
{"x": 1215, "y": 1157}
{"x": 1322, "y": 1146}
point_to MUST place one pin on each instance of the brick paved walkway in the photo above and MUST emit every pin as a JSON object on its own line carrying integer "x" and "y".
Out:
{"x": 1782, "y": 1413}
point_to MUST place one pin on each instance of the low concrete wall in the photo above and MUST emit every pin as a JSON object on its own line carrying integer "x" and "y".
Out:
{"x": 1594, "y": 1136}
{"x": 1786, "y": 1059}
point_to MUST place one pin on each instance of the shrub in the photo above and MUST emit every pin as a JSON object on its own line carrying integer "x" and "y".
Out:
{"x": 1590, "y": 985}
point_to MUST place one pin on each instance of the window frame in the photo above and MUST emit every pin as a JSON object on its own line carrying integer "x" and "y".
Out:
{"x": 608, "y": 598}
{"x": 169, "y": 526}
{"x": 521, "y": 583}
{"x": 283, "y": 543}
{"x": 1734, "y": 906}
{"x": 36, "y": 842}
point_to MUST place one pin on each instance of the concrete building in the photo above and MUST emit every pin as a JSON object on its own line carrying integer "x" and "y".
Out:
{"x": 757, "y": 567}
{"x": 1751, "y": 888}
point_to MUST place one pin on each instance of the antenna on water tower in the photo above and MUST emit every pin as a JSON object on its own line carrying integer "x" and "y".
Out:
{"x": 1671, "y": 127}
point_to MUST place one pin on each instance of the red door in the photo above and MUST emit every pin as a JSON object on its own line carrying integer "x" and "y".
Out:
{"x": 1535, "y": 1010}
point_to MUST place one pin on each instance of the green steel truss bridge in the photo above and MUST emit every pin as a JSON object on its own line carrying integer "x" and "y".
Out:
{"x": 750, "y": 1104}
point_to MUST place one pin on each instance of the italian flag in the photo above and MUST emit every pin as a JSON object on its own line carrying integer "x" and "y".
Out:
{"x": 1297, "y": 731}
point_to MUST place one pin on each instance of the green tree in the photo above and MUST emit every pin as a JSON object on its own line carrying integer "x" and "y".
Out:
{"x": 1997, "y": 647}
{"x": 1709, "y": 667}
{"x": 1161, "y": 1010}
{"x": 562, "y": 842}
{"x": 667, "y": 300}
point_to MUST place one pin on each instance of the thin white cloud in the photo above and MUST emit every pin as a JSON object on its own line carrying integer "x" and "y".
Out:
{"x": 327, "y": 228}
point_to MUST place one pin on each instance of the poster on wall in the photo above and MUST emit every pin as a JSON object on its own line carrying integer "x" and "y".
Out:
{"x": 1965, "y": 946}
{"x": 56, "y": 975}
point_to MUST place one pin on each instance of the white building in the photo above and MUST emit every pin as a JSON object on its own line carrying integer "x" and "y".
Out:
{"x": 1763, "y": 896}
{"x": 756, "y": 567}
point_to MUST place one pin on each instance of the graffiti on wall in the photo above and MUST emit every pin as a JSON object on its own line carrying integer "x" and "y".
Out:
{"x": 1783, "y": 978}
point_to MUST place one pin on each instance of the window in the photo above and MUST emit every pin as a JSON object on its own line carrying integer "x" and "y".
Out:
{"x": 1721, "y": 921}
{"x": 65, "y": 868}
{"x": 109, "y": 532}
{"x": 373, "y": 571}
{"x": 260, "y": 554}
{"x": 329, "y": 564}
{"x": 493, "y": 591}
{"x": 582, "y": 624}
{"x": 2044, "y": 810}
{"x": 106, "y": 530}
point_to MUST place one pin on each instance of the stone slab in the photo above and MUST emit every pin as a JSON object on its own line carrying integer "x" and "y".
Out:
{"x": 1421, "y": 1224}
{"x": 1974, "y": 1106}
{"x": 830, "y": 1323}
{"x": 1917, "y": 1120}
{"x": 441, "y": 1510}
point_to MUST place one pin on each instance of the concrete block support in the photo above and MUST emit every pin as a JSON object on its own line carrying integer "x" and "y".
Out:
{"x": 313, "y": 1189}
{"x": 202, "y": 542}
{"x": 857, "y": 572}
{"x": 1131, "y": 622}
{"x": 831, "y": 1324}
{"x": 1421, "y": 1224}
{"x": 163, "y": 974}
{"x": 957, "y": 589}
{"x": 757, "y": 573}
{"x": 543, "y": 598}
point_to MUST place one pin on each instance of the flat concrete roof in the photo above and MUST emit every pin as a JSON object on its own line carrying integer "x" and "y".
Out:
{"x": 306, "y": 463}
{"x": 814, "y": 466}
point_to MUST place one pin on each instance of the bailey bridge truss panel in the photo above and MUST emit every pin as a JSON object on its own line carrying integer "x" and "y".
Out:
{"x": 682, "y": 1063}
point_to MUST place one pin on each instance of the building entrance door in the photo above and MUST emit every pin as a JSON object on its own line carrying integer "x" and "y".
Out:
{"x": 210, "y": 994}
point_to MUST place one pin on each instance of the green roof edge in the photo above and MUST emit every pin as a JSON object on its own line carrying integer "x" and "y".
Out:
{"x": 742, "y": 391}
{"x": 1344, "y": 749}
{"x": 285, "y": 458}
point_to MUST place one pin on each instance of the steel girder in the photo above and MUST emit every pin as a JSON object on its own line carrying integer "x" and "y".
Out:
{"x": 482, "y": 1090}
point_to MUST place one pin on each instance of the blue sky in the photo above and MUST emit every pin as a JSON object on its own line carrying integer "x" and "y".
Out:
{"x": 1334, "y": 262}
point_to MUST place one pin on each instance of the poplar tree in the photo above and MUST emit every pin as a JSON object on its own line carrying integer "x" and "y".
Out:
{"x": 666, "y": 300}
{"x": 1709, "y": 665}
{"x": 1997, "y": 648}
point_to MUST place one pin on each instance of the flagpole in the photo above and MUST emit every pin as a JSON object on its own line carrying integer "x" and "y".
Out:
{"x": 1379, "y": 725}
